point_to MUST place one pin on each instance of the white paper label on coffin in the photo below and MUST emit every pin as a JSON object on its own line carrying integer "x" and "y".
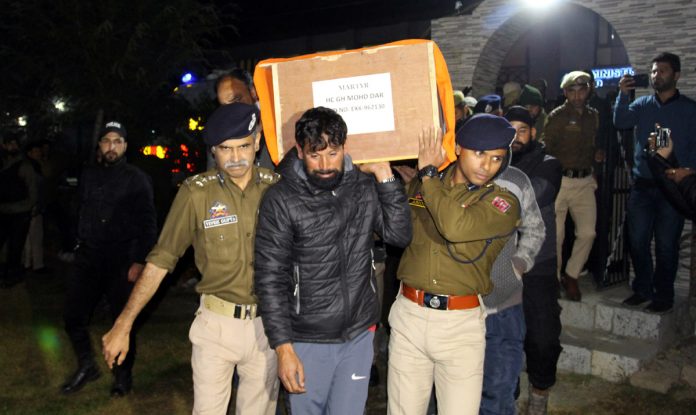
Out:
{"x": 364, "y": 102}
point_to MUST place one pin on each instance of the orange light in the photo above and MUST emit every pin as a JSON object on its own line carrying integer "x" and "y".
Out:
{"x": 184, "y": 147}
{"x": 157, "y": 151}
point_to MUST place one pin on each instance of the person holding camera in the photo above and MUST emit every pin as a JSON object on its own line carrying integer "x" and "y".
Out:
{"x": 669, "y": 109}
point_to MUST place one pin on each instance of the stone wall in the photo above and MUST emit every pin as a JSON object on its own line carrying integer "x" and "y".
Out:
{"x": 475, "y": 45}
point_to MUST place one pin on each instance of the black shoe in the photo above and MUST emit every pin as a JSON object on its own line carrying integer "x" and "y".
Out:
{"x": 77, "y": 381}
{"x": 635, "y": 300}
{"x": 374, "y": 376}
{"x": 659, "y": 307}
{"x": 123, "y": 383}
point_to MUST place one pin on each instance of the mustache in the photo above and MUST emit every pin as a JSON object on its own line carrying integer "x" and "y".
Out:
{"x": 233, "y": 164}
{"x": 327, "y": 171}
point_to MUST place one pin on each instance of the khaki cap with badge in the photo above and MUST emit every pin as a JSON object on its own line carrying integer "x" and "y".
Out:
{"x": 576, "y": 79}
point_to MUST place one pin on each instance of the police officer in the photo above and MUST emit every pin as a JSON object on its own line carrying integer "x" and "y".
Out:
{"x": 461, "y": 220}
{"x": 216, "y": 213}
{"x": 117, "y": 227}
{"x": 570, "y": 134}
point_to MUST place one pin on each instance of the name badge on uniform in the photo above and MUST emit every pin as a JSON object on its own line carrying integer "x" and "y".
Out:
{"x": 501, "y": 204}
{"x": 417, "y": 200}
{"x": 219, "y": 216}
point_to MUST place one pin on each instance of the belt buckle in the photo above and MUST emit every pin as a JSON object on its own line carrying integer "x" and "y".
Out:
{"x": 437, "y": 302}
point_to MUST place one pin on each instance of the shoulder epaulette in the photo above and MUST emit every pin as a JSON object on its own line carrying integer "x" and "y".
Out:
{"x": 556, "y": 110}
{"x": 267, "y": 176}
{"x": 200, "y": 180}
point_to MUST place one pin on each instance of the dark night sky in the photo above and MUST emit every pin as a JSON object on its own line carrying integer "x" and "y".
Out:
{"x": 258, "y": 20}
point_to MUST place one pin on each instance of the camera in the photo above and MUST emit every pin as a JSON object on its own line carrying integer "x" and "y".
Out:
{"x": 641, "y": 80}
{"x": 661, "y": 136}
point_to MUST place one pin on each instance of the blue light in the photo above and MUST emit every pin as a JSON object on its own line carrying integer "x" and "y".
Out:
{"x": 187, "y": 78}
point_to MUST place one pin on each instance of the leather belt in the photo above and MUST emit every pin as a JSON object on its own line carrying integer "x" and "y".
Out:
{"x": 228, "y": 309}
{"x": 439, "y": 301}
{"x": 577, "y": 173}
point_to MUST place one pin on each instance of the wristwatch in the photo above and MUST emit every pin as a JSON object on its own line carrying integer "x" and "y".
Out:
{"x": 427, "y": 171}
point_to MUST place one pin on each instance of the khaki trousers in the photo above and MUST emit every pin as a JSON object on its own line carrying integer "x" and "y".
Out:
{"x": 445, "y": 346}
{"x": 577, "y": 198}
{"x": 219, "y": 344}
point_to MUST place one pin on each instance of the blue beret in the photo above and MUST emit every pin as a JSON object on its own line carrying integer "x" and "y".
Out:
{"x": 487, "y": 103}
{"x": 484, "y": 132}
{"x": 231, "y": 121}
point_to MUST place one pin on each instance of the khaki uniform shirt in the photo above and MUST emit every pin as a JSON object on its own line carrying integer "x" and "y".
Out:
{"x": 458, "y": 232}
{"x": 570, "y": 136}
{"x": 211, "y": 213}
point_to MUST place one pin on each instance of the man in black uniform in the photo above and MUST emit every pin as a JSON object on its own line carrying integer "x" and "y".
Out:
{"x": 117, "y": 227}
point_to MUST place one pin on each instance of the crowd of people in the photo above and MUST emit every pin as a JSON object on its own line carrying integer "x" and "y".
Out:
{"x": 294, "y": 279}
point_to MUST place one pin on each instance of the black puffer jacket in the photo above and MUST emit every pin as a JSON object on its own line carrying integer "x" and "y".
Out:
{"x": 544, "y": 172}
{"x": 313, "y": 258}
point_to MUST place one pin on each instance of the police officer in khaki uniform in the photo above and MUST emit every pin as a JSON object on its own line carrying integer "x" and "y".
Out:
{"x": 216, "y": 213}
{"x": 461, "y": 221}
{"x": 569, "y": 136}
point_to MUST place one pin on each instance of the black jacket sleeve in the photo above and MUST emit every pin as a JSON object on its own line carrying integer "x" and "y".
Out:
{"x": 273, "y": 267}
{"x": 687, "y": 188}
{"x": 677, "y": 197}
{"x": 546, "y": 182}
{"x": 144, "y": 216}
{"x": 394, "y": 220}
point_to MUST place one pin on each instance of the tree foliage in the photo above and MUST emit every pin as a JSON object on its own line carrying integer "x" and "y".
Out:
{"x": 114, "y": 57}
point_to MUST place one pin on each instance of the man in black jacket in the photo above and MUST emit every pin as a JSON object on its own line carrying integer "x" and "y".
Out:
{"x": 313, "y": 265}
{"x": 542, "y": 313}
{"x": 117, "y": 227}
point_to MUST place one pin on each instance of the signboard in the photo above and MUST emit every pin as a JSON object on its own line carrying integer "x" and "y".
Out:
{"x": 364, "y": 102}
{"x": 610, "y": 76}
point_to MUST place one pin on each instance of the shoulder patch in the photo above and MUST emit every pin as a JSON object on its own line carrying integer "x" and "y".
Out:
{"x": 501, "y": 204}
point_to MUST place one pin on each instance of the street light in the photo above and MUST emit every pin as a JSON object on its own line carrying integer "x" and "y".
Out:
{"x": 539, "y": 4}
{"x": 59, "y": 105}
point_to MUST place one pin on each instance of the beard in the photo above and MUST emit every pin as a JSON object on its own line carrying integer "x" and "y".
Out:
{"x": 111, "y": 157}
{"x": 663, "y": 84}
{"x": 519, "y": 150}
{"x": 325, "y": 183}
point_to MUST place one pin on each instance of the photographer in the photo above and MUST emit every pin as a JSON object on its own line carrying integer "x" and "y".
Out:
{"x": 668, "y": 108}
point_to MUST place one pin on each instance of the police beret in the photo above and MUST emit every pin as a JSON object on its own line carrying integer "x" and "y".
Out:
{"x": 485, "y": 132}
{"x": 576, "y": 78}
{"x": 519, "y": 113}
{"x": 113, "y": 127}
{"x": 531, "y": 96}
{"x": 231, "y": 121}
{"x": 487, "y": 103}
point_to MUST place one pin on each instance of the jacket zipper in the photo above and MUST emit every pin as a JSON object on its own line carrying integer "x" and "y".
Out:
{"x": 344, "y": 282}
{"x": 372, "y": 271}
{"x": 296, "y": 293}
